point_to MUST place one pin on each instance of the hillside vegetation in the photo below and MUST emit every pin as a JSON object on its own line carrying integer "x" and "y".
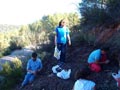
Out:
{"x": 98, "y": 26}
{"x": 38, "y": 34}
{"x": 6, "y": 27}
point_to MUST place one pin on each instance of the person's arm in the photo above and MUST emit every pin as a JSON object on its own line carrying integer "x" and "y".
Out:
{"x": 40, "y": 67}
{"x": 33, "y": 72}
{"x": 97, "y": 61}
{"x": 55, "y": 40}
{"x": 68, "y": 36}
{"x": 107, "y": 61}
{"x": 69, "y": 40}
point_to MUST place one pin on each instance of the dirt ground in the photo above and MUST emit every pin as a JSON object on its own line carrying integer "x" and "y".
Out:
{"x": 76, "y": 58}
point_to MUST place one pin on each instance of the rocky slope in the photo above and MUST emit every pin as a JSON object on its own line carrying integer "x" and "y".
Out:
{"x": 76, "y": 58}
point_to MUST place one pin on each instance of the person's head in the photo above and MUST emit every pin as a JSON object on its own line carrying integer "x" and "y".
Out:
{"x": 82, "y": 73}
{"x": 34, "y": 56}
{"x": 62, "y": 23}
{"x": 104, "y": 50}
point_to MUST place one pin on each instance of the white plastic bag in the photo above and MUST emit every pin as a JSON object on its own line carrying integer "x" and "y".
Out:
{"x": 54, "y": 68}
{"x": 64, "y": 74}
{"x": 116, "y": 76}
{"x": 57, "y": 53}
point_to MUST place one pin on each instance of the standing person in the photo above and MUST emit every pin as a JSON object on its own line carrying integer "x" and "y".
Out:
{"x": 61, "y": 38}
{"x": 34, "y": 66}
{"x": 96, "y": 58}
{"x": 81, "y": 81}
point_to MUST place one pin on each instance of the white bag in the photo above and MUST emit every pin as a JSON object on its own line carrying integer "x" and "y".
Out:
{"x": 57, "y": 53}
{"x": 54, "y": 68}
{"x": 64, "y": 74}
{"x": 117, "y": 77}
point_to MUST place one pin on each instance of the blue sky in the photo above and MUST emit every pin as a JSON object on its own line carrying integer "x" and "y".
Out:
{"x": 27, "y": 11}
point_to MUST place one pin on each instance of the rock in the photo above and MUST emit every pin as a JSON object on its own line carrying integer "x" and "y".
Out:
{"x": 22, "y": 54}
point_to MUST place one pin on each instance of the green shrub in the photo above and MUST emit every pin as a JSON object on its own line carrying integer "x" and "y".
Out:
{"x": 42, "y": 55}
{"x": 12, "y": 73}
{"x": 81, "y": 36}
{"x": 14, "y": 46}
{"x": 1, "y": 54}
{"x": 7, "y": 51}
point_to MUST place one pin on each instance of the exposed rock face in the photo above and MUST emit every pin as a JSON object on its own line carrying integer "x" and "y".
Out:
{"x": 103, "y": 34}
{"x": 109, "y": 36}
{"x": 21, "y": 54}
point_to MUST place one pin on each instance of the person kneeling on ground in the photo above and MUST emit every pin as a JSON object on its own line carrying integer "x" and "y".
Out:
{"x": 34, "y": 66}
{"x": 81, "y": 82}
{"x": 96, "y": 58}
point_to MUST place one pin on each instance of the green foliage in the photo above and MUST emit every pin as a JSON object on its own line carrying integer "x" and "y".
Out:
{"x": 12, "y": 74}
{"x": 81, "y": 37}
{"x": 51, "y": 21}
{"x": 7, "y": 51}
{"x": 73, "y": 19}
{"x": 1, "y": 55}
{"x": 36, "y": 33}
{"x": 6, "y": 69}
{"x": 99, "y": 12}
{"x": 16, "y": 43}
{"x": 113, "y": 9}
{"x": 92, "y": 13}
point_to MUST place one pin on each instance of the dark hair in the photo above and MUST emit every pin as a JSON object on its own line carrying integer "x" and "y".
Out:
{"x": 106, "y": 49}
{"x": 82, "y": 73}
{"x": 34, "y": 54}
{"x": 60, "y": 22}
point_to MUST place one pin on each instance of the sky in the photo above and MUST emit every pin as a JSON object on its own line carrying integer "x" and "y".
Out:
{"x": 18, "y": 12}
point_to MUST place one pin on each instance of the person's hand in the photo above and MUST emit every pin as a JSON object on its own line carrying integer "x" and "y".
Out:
{"x": 33, "y": 72}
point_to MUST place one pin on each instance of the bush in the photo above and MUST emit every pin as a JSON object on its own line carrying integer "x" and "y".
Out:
{"x": 1, "y": 54}
{"x": 81, "y": 37}
{"x": 12, "y": 73}
{"x": 14, "y": 46}
{"x": 7, "y": 51}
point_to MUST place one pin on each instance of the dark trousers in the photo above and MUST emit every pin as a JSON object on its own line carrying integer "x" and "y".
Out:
{"x": 62, "y": 47}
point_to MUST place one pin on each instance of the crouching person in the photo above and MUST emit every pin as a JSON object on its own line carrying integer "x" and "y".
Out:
{"x": 34, "y": 66}
{"x": 81, "y": 81}
{"x": 97, "y": 58}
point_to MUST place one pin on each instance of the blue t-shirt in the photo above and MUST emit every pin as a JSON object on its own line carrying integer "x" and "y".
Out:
{"x": 94, "y": 56}
{"x": 34, "y": 65}
{"x": 62, "y": 33}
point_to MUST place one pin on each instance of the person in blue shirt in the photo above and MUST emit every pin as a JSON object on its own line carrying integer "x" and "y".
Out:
{"x": 96, "y": 58}
{"x": 61, "y": 38}
{"x": 34, "y": 66}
